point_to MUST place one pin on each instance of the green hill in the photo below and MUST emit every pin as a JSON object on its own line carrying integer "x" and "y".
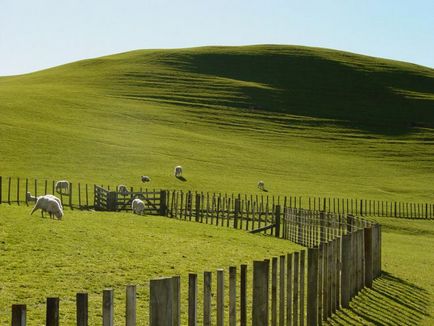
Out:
{"x": 305, "y": 120}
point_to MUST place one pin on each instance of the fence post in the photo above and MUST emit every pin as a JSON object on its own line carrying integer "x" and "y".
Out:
{"x": 107, "y": 307}
{"x": 161, "y": 302}
{"x": 70, "y": 196}
{"x": 346, "y": 273}
{"x": 295, "y": 293}
{"x": 220, "y": 297}
{"x": 130, "y": 308}
{"x": 192, "y": 299}
{"x": 282, "y": 264}
{"x": 18, "y": 315}
{"x": 1, "y": 189}
{"x": 260, "y": 293}
{"x": 18, "y": 191}
{"x": 274, "y": 291}
{"x": 176, "y": 308}
{"x": 52, "y": 316}
{"x": 232, "y": 296}
{"x": 197, "y": 208}
{"x": 368, "y": 257}
{"x": 9, "y": 190}
{"x": 163, "y": 203}
{"x": 206, "y": 299}
{"x": 236, "y": 212}
{"x": 277, "y": 212}
{"x": 243, "y": 295}
{"x": 82, "y": 309}
{"x": 312, "y": 286}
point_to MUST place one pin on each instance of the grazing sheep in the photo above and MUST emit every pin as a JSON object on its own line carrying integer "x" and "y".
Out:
{"x": 145, "y": 178}
{"x": 261, "y": 185}
{"x": 138, "y": 206}
{"x": 62, "y": 187}
{"x": 178, "y": 171}
{"x": 123, "y": 190}
{"x": 49, "y": 204}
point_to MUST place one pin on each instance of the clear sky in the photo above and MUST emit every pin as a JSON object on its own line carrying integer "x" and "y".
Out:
{"x": 45, "y": 33}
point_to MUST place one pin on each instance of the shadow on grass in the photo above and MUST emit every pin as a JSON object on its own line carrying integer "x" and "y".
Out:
{"x": 391, "y": 301}
{"x": 181, "y": 178}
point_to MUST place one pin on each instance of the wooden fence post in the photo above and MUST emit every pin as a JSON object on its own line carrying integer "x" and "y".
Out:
{"x": 161, "y": 302}
{"x": 295, "y": 301}
{"x": 130, "y": 306}
{"x": 277, "y": 214}
{"x": 312, "y": 286}
{"x": 260, "y": 293}
{"x": 207, "y": 279}
{"x": 243, "y": 295}
{"x": 192, "y": 299}
{"x": 232, "y": 296}
{"x": 18, "y": 315}
{"x": 107, "y": 307}
{"x": 220, "y": 297}
{"x": 302, "y": 268}
{"x": 346, "y": 271}
{"x": 368, "y": 257}
{"x": 197, "y": 208}
{"x": 82, "y": 303}
{"x": 282, "y": 263}
{"x": 236, "y": 212}
{"x": 274, "y": 291}
{"x": 163, "y": 203}
{"x": 1, "y": 189}
{"x": 176, "y": 308}
{"x": 52, "y": 315}
{"x": 289, "y": 289}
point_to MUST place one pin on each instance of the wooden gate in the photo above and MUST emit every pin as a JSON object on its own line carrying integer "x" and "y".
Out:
{"x": 116, "y": 201}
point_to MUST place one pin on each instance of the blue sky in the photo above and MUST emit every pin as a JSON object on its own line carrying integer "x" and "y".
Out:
{"x": 45, "y": 33}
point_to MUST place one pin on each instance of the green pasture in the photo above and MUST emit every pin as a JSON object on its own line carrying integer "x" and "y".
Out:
{"x": 91, "y": 251}
{"x": 307, "y": 121}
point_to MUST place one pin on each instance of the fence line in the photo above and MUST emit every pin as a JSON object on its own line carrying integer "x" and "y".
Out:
{"x": 218, "y": 206}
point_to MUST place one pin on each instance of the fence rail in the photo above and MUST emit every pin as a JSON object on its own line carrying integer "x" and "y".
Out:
{"x": 212, "y": 205}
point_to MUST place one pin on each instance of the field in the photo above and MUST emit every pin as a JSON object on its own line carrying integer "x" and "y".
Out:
{"x": 91, "y": 251}
{"x": 307, "y": 121}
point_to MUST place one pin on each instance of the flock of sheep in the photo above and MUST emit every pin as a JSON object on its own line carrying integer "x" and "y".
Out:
{"x": 53, "y": 205}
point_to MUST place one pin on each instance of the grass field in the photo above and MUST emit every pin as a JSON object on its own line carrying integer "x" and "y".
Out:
{"x": 90, "y": 251}
{"x": 304, "y": 120}
{"x": 307, "y": 121}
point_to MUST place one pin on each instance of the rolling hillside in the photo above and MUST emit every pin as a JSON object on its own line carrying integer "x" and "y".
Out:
{"x": 305, "y": 120}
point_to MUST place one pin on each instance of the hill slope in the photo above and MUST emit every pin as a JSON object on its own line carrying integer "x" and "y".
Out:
{"x": 305, "y": 120}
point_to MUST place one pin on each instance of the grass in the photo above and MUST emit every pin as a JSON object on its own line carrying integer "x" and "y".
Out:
{"x": 404, "y": 295}
{"x": 90, "y": 251}
{"x": 307, "y": 121}
{"x": 304, "y": 120}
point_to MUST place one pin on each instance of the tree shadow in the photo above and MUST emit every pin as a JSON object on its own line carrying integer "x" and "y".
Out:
{"x": 181, "y": 178}
{"x": 391, "y": 301}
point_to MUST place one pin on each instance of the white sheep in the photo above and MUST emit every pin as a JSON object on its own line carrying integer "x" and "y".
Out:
{"x": 178, "y": 171}
{"x": 62, "y": 187}
{"x": 123, "y": 189}
{"x": 138, "y": 206}
{"x": 145, "y": 178}
{"x": 49, "y": 204}
{"x": 261, "y": 185}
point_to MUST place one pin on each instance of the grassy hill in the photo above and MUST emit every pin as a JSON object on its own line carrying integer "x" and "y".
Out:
{"x": 304, "y": 120}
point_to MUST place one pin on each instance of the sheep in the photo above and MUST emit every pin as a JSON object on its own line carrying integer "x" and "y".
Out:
{"x": 33, "y": 198}
{"x": 123, "y": 190}
{"x": 50, "y": 204}
{"x": 138, "y": 206}
{"x": 261, "y": 185}
{"x": 145, "y": 178}
{"x": 178, "y": 171}
{"x": 62, "y": 187}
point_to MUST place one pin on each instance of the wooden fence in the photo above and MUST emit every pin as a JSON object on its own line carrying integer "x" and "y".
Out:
{"x": 299, "y": 288}
{"x": 83, "y": 196}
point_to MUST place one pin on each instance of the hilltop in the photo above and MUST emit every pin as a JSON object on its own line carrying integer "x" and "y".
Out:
{"x": 306, "y": 120}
